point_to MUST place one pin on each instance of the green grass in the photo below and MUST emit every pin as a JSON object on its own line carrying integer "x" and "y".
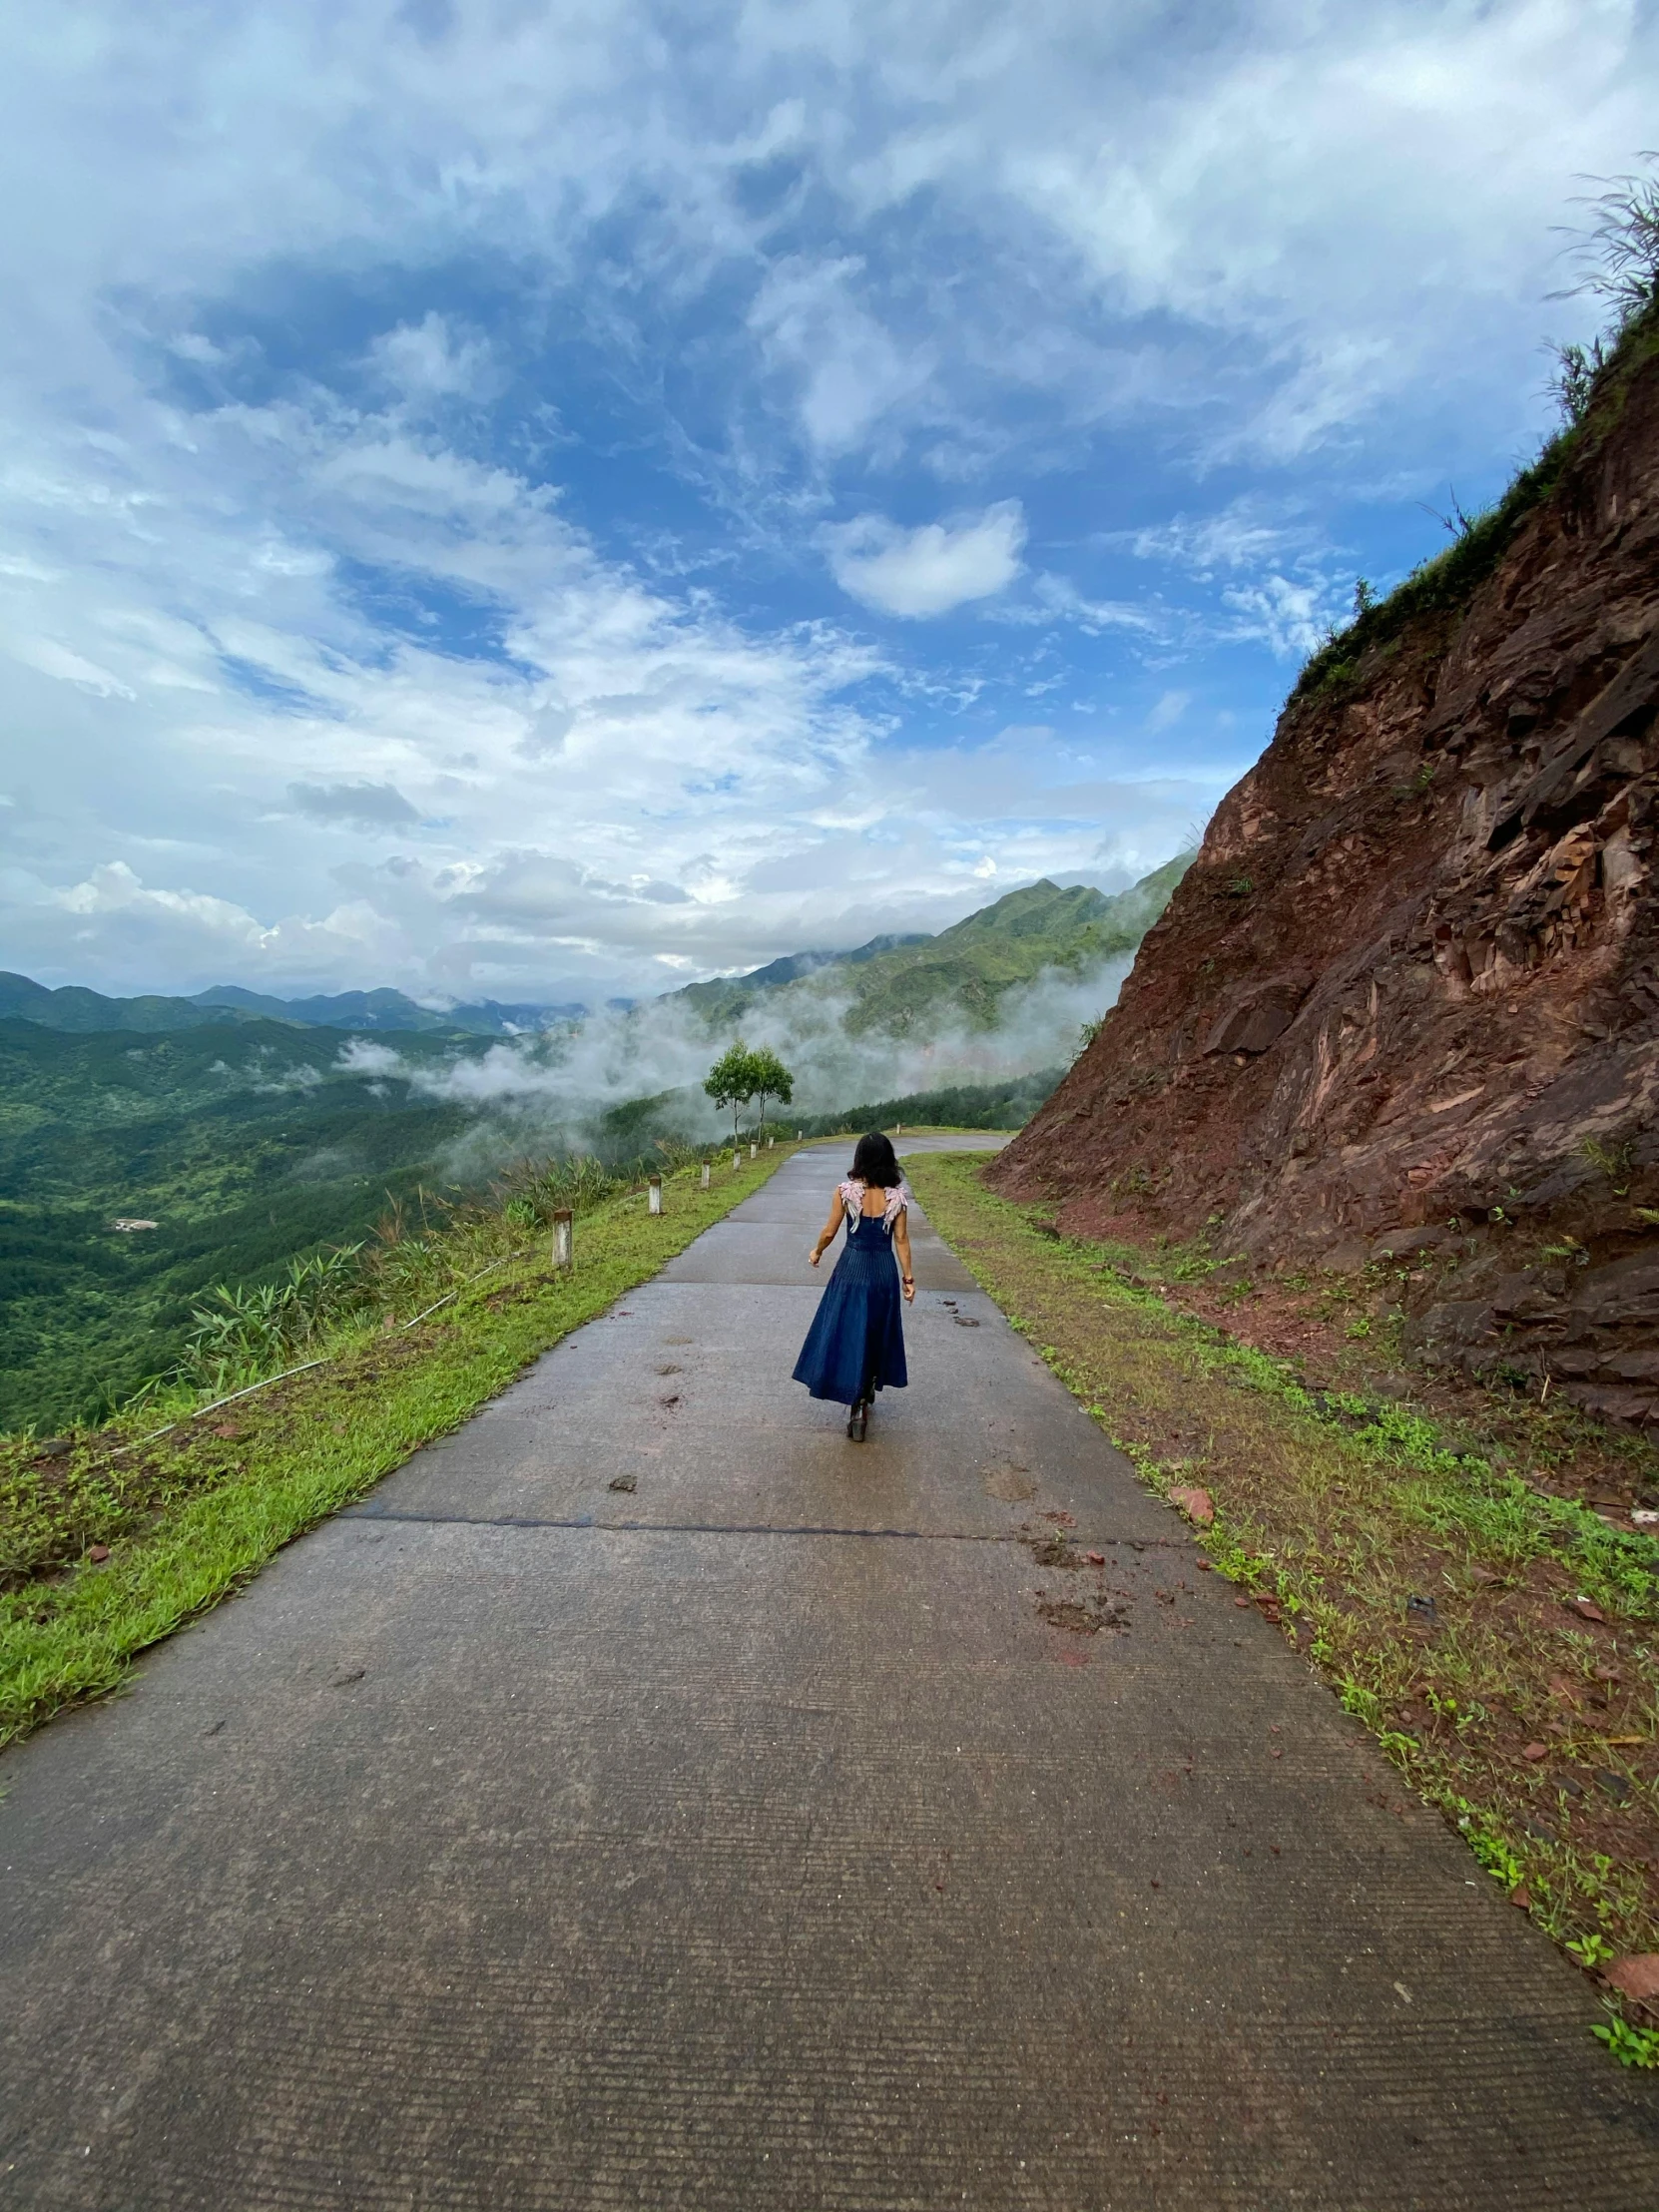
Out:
{"x": 190, "y": 1515}
{"x": 1330, "y": 1513}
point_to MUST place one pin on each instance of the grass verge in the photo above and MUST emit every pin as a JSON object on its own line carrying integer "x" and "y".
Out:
{"x": 1500, "y": 1641}
{"x": 111, "y": 1546}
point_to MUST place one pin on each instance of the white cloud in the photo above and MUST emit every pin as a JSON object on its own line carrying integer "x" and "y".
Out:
{"x": 1243, "y": 534}
{"x": 432, "y": 359}
{"x": 358, "y": 805}
{"x": 930, "y": 570}
{"x": 1289, "y": 614}
{"x": 69, "y": 666}
{"x": 848, "y": 371}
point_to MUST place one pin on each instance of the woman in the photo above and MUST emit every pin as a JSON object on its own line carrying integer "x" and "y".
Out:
{"x": 855, "y": 1346}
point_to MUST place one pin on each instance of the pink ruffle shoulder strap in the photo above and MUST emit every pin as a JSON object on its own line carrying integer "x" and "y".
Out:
{"x": 853, "y": 1198}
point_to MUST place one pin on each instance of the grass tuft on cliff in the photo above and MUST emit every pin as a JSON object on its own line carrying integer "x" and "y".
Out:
{"x": 115, "y": 1541}
{"x": 1444, "y": 584}
{"x": 1500, "y": 1641}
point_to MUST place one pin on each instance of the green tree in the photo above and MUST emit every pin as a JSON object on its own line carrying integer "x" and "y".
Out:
{"x": 771, "y": 1079}
{"x": 732, "y": 1080}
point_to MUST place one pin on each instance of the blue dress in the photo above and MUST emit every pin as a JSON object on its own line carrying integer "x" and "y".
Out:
{"x": 855, "y": 1346}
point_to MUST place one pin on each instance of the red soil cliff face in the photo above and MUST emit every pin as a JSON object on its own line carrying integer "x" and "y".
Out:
{"x": 1406, "y": 999}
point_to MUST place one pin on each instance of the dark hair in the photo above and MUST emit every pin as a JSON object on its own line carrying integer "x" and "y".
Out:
{"x": 874, "y": 1162}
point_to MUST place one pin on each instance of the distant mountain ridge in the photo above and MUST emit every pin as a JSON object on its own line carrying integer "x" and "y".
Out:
{"x": 893, "y": 986}
{"x": 388, "y": 1009}
{"x": 82, "y": 1012}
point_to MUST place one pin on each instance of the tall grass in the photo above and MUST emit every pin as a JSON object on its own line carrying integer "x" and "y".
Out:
{"x": 419, "y": 1252}
{"x": 1619, "y": 250}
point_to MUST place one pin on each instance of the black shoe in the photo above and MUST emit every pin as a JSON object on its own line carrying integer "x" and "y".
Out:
{"x": 860, "y": 1420}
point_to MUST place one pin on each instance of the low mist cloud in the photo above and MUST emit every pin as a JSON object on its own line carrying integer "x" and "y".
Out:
{"x": 549, "y": 1092}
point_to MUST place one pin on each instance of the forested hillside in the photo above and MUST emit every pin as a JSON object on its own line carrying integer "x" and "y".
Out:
{"x": 243, "y": 1143}
{"x": 898, "y": 985}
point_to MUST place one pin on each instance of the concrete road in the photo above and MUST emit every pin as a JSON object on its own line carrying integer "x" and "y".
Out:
{"x": 763, "y": 1836}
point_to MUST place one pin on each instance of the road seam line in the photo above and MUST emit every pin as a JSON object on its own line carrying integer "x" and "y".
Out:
{"x": 730, "y": 1529}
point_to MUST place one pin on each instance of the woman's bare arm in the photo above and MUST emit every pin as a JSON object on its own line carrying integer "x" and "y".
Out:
{"x": 826, "y": 1235}
{"x": 902, "y": 1244}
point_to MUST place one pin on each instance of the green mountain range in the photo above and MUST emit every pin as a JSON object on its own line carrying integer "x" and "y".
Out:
{"x": 83, "y": 1012}
{"x": 898, "y": 986}
{"x": 892, "y": 983}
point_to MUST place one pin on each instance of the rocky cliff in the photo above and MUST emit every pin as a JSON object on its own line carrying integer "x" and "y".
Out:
{"x": 1406, "y": 1002}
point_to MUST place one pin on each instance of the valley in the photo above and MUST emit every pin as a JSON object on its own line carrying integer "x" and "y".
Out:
{"x": 252, "y": 1130}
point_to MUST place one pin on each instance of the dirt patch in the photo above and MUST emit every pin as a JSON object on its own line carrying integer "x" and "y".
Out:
{"x": 1011, "y": 1485}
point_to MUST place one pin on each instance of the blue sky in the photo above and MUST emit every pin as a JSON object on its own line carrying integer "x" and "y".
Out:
{"x": 521, "y": 500}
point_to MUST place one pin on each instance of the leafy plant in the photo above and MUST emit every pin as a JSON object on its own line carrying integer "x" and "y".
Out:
{"x": 1616, "y": 1161}
{"x": 1620, "y": 249}
{"x": 249, "y": 1328}
{"x": 1491, "y": 1848}
{"x": 1576, "y": 371}
{"x": 1631, "y": 2046}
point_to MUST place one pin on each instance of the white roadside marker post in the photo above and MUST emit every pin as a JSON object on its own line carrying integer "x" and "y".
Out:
{"x": 653, "y": 1197}
{"x": 563, "y": 1253}
{"x": 705, "y": 1175}
{"x": 737, "y": 1159}
{"x": 754, "y": 1150}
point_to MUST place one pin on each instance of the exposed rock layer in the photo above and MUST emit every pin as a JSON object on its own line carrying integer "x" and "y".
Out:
{"x": 1406, "y": 999}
